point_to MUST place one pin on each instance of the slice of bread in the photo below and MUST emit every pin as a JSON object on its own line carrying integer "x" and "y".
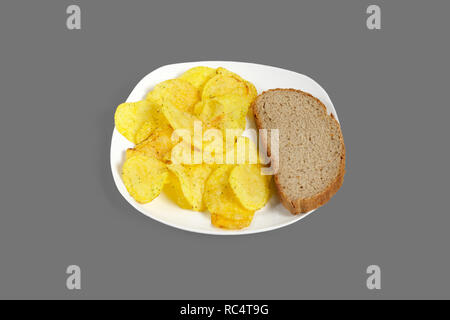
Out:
{"x": 311, "y": 153}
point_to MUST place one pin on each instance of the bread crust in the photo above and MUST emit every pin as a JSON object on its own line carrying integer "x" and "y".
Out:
{"x": 297, "y": 206}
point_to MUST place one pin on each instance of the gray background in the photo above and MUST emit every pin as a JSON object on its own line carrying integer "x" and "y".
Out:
{"x": 59, "y": 205}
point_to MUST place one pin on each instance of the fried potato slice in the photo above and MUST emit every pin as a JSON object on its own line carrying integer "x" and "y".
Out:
{"x": 226, "y": 72}
{"x": 251, "y": 90}
{"x": 187, "y": 191}
{"x": 178, "y": 92}
{"x": 130, "y": 116}
{"x": 179, "y": 119}
{"x": 219, "y": 197}
{"x": 145, "y": 131}
{"x": 251, "y": 188}
{"x": 235, "y": 110}
{"x": 144, "y": 177}
{"x": 158, "y": 145}
{"x": 220, "y": 221}
{"x": 156, "y": 121}
{"x": 225, "y": 102}
{"x": 198, "y": 76}
{"x": 212, "y": 113}
{"x": 183, "y": 122}
{"x": 215, "y": 114}
{"x": 221, "y": 85}
{"x": 198, "y": 108}
{"x": 224, "y": 112}
{"x": 174, "y": 191}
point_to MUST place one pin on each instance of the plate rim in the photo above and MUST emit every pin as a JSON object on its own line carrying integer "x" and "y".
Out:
{"x": 218, "y": 232}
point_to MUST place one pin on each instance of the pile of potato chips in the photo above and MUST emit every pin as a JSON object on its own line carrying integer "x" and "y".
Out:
{"x": 163, "y": 127}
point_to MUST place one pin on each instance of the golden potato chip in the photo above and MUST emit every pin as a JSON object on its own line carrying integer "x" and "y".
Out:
{"x": 198, "y": 76}
{"x": 198, "y": 107}
{"x": 217, "y": 115}
{"x": 225, "y": 112}
{"x": 219, "y": 197}
{"x": 251, "y": 90}
{"x": 179, "y": 119}
{"x": 130, "y": 116}
{"x": 221, "y": 85}
{"x": 145, "y": 131}
{"x": 235, "y": 110}
{"x": 222, "y": 113}
{"x": 184, "y": 122}
{"x": 212, "y": 114}
{"x": 144, "y": 177}
{"x": 250, "y": 186}
{"x": 156, "y": 120}
{"x": 226, "y": 72}
{"x": 189, "y": 188}
{"x": 225, "y": 103}
{"x": 183, "y": 151}
{"x": 158, "y": 145}
{"x": 233, "y": 101}
{"x": 131, "y": 152}
{"x": 178, "y": 92}
{"x": 174, "y": 191}
{"x": 220, "y": 221}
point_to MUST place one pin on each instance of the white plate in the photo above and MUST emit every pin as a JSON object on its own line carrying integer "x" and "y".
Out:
{"x": 273, "y": 215}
